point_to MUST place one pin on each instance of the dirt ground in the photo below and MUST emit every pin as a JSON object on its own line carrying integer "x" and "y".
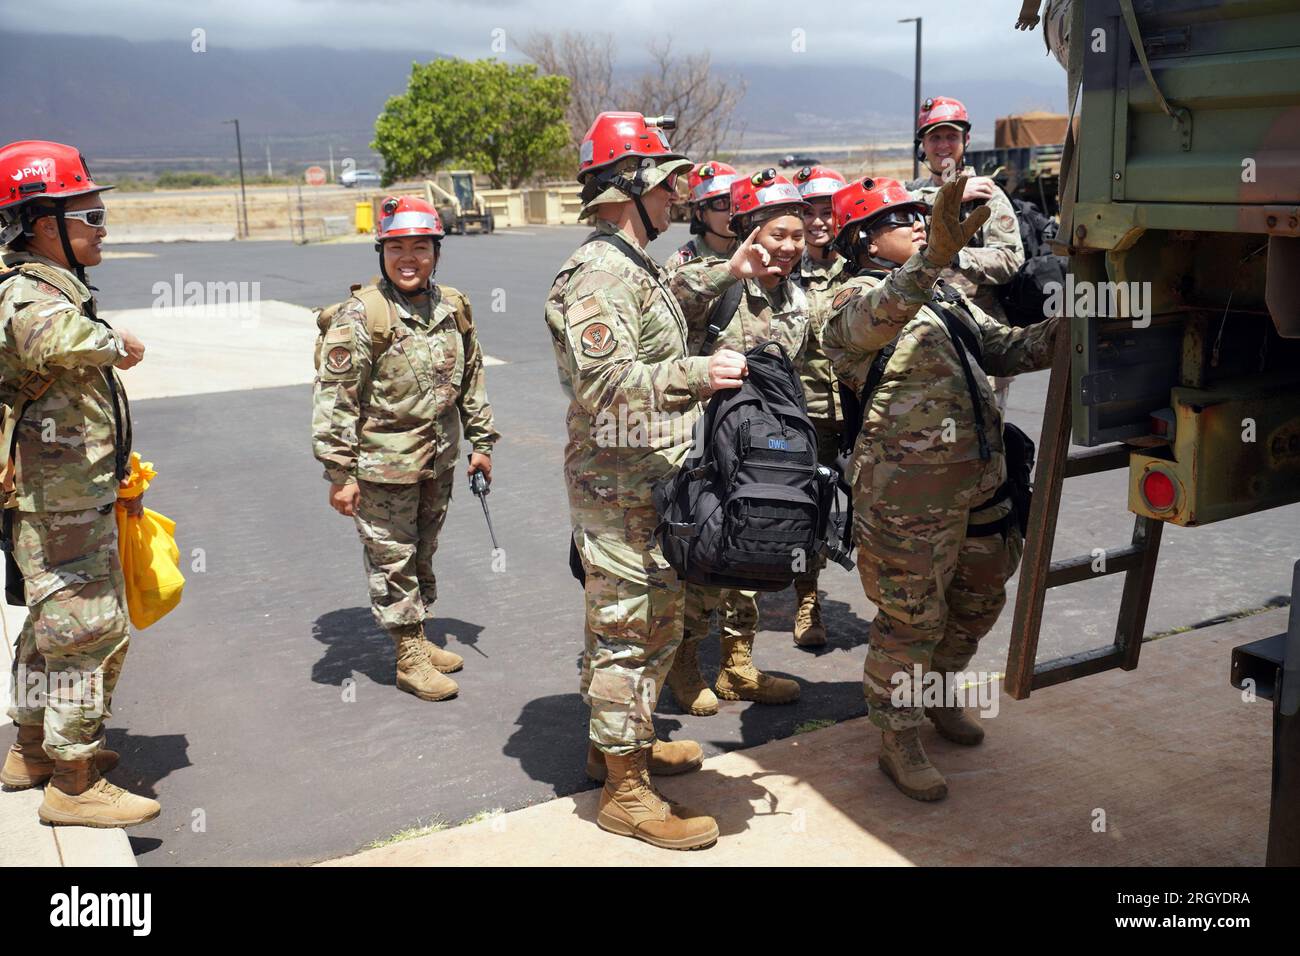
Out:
{"x": 271, "y": 209}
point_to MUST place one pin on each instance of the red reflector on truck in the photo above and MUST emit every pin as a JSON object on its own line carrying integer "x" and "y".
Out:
{"x": 1158, "y": 490}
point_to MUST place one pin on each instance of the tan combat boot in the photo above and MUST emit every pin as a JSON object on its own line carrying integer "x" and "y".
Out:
{"x": 739, "y": 679}
{"x": 688, "y": 687}
{"x": 667, "y": 759}
{"x": 630, "y": 806}
{"x": 415, "y": 672}
{"x": 79, "y": 796}
{"x": 953, "y": 723}
{"x": 808, "y": 628}
{"x": 27, "y": 764}
{"x": 444, "y": 660}
{"x": 904, "y": 761}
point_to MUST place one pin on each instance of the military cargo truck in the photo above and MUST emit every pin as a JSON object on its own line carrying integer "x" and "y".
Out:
{"x": 1180, "y": 212}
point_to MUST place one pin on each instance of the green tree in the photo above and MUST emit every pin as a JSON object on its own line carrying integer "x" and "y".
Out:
{"x": 504, "y": 120}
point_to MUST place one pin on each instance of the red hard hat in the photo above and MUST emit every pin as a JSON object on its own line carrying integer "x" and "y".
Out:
{"x": 614, "y": 136}
{"x": 862, "y": 200}
{"x": 708, "y": 180}
{"x": 941, "y": 111}
{"x": 763, "y": 190}
{"x": 817, "y": 181}
{"x": 38, "y": 169}
{"x": 407, "y": 216}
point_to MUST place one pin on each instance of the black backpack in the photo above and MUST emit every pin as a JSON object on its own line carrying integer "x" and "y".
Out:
{"x": 751, "y": 496}
{"x": 1023, "y": 296}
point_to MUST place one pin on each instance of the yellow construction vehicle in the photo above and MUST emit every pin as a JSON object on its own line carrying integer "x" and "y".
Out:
{"x": 452, "y": 193}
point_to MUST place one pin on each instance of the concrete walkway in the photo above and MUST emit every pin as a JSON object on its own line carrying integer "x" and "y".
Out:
{"x": 1163, "y": 766}
{"x": 24, "y": 840}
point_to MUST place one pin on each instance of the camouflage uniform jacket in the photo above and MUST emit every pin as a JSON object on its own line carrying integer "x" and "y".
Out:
{"x": 993, "y": 256}
{"x": 820, "y": 282}
{"x": 64, "y": 455}
{"x": 690, "y": 251}
{"x": 779, "y": 314}
{"x": 687, "y": 252}
{"x": 921, "y": 412}
{"x": 620, "y": 350}
{"x": 395, "y": 417}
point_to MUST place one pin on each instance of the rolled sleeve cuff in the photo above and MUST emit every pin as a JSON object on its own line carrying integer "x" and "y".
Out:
{"x": 337, "y": 476}
{"x": 697, "y": 374}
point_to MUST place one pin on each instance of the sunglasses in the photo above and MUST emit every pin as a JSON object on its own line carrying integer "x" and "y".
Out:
{"x": 95, "y": 218}
{"x": 670, "y": 182}
{"x": 903, "y": 217}
{"x": 718, "y": 204}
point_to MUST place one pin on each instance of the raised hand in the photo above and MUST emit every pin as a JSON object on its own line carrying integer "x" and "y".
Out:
{"x": 750, "y": 261}
{"x": 949, "y": 233}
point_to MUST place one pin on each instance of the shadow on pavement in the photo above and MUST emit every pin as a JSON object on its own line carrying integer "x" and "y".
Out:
{"x": 145, "y": 760}
{"x": 550, "y": 742}
{"x": 354, "y": 643}
{"x": 845, "y": 630}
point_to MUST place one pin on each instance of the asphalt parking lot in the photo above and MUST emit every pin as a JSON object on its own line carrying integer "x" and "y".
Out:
{"x": 262, "y": 712}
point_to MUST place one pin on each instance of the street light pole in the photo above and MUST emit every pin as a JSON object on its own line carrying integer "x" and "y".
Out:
{"x": 243, "y": 194}
{"x": 916, "y": 91}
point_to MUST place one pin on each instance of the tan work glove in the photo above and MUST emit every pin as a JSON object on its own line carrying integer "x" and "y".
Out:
{"x": 949, "y": 233}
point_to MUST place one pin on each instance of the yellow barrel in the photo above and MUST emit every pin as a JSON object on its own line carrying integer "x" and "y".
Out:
{"x": 365, "y": 217}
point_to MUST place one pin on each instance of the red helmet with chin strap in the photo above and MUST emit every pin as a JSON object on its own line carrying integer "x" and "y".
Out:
{"x": 710, "y": 180}
{"x": 37, "y": 177}
{"x": 408, "y": 216}
{"x": 942, "y": 111}
{"x": 614, "y": 136}
{"x": 863, "y": 200}
{"x": 38, "y": 169}
{"x": 815, "y": 182}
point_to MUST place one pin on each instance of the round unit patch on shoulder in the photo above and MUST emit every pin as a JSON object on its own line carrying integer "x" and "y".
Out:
{"x": 338, "y": 360}
{"x": 845, "y": 297}
{"x": 597, "y": 340}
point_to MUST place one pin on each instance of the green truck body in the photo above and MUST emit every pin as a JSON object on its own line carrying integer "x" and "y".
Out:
{"x": 1184, "y": 243}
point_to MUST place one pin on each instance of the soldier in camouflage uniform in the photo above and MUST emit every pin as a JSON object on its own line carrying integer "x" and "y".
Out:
{"x": 620, "y": 350}
{"x": 936, "y": 542}
{"x": 709, "y": 185}
{"x": 769, "y": 210}
{"x": 66, "y": 445}
{"x": 401, "y": 373}
{"x": 995, "y": 253}
{"x": 820, "y": 274}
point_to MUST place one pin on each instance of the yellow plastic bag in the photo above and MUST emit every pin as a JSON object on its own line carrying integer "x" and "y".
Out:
{"x": 150, "y": 558}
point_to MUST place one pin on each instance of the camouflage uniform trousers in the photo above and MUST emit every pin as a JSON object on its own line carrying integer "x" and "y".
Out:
{"x": 738, "y": 612}
{"x": 630, "y": 635}
{"x": 828, "y": 449}
{"x": 938, "y": 591}
{"x": 399, "y": 526}
{"x": 77, "y": 629}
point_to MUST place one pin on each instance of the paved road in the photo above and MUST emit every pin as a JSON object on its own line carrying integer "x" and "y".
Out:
{"x": 262, "y": 712}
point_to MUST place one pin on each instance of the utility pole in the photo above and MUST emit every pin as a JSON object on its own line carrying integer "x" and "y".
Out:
{"x": 243, "y": 194}
{"x": 916, "y": 91}
{"x": 332, "y": 162}
{"x": 269, "y": 174}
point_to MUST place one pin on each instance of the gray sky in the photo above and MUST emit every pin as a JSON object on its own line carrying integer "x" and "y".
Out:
{"x": 962, "y": 37}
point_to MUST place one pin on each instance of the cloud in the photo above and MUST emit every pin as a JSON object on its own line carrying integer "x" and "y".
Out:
{"x": 961, "y": 39}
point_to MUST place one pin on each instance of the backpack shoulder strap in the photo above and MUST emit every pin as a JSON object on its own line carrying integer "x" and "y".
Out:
{"x": 460, "y": 308}
{"x": 721, "y": 315}
{"x": 623, "y": 246}
{"x": 964, "y": 340}
{"x": 50, "y": 276}
{"x": 381, "y": 314}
